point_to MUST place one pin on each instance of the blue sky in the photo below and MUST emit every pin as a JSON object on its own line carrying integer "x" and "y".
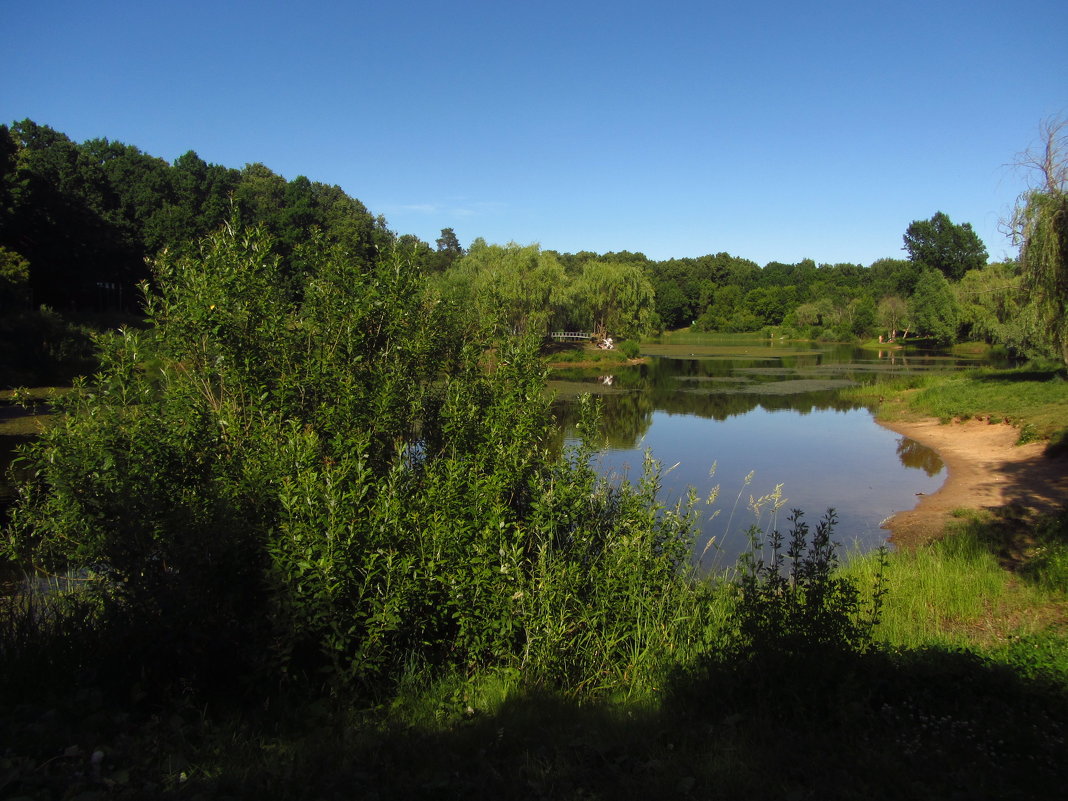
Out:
{"x": 770, "y": 130}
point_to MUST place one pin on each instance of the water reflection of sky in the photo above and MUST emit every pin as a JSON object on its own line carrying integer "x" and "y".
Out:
{"x": 823, "y": 458}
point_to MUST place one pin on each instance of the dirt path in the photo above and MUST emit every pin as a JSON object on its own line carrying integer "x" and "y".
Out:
{"x": 986, "y": 469}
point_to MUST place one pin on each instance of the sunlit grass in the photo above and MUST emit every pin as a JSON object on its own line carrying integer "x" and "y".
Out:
{"x": 1035, "y": 399}
{"x": 1024, "y": 397}
{"x": 23, "y": 412}
{"x": 973, "y": 349}
{"x": 955, "y": 592}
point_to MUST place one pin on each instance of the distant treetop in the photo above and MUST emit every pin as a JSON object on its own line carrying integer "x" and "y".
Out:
{"x": 940, "y": 244}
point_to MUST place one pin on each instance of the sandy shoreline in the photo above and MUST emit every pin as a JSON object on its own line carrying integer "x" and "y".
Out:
{"x": 985, "y": 469}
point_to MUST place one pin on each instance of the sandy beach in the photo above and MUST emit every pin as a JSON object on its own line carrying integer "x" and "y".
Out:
{"x": 986, "y": 470}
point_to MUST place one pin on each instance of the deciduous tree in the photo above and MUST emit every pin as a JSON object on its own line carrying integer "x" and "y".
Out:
{"x": 933, "y": 308}
{"x": 1040, "y": 227}
{"x": 893, "y": 313}
{"x": 511, "y": 288}
{"x": 616, "y": 296}
{"x": 940, "y": 244}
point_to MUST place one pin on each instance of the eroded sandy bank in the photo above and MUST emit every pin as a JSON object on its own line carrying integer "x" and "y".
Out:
{"x": 986, "y": 469}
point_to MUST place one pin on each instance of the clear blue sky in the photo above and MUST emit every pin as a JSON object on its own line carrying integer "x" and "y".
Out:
{"x": 770, "y": 130}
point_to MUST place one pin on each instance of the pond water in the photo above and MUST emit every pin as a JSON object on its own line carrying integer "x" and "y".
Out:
{"x": 763, "y": 414}
{"x": 746, "y": 406}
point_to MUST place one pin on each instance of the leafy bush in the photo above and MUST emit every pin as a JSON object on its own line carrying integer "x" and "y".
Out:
{"x": 629, "y": 348}
{"x": 796, "y": 634}
{"x": 336, "y": 481}
{"x": 795, "y": 602}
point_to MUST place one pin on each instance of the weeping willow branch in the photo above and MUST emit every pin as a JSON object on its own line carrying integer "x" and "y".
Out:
{"x": 1040, "y": 228}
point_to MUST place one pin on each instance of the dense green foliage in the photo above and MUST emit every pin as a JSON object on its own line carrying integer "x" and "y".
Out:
{"x": 84, "y": 217}
{"x": 322, "y": 476}
{"x": 933, "y": 308}
{"x": 78, "y": 220}
{"x": 340, "y": 454}
{"x": 1040, "y": 226}
{"x": 939, "y": 244}
{"x": 512, "y": 289}
{"x": 518, "y": 289}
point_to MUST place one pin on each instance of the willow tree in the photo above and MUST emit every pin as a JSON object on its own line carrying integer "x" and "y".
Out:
{"x": 1040, "y": 228}
{"x": 993, "y": 308}
{"x": 512, "y": 289}
{"x": 614, "y": 298}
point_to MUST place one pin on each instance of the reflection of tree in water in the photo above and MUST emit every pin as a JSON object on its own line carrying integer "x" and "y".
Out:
{"x": 894, "y": 357}
{"x": 721, "y": 405}
{"x": 625, "y": 417}
{"x": 920, "y": 457}
{"x": 717, "y": 388}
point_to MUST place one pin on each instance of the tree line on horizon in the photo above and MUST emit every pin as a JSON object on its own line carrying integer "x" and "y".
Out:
{"x": 313, "y": 492}
{"x": 78, "y": 223}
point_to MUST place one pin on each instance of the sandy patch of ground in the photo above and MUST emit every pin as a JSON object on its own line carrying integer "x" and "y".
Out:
{"x": 986, "y": 470}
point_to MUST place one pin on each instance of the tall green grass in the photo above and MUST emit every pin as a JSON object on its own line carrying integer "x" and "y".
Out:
{"x": 1035, "y": 398}
{"x": 954, "y": 591}
{"x": 1023, "y": 396}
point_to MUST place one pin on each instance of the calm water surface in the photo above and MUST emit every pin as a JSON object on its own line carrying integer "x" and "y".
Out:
{"x": 749, "y": 406}
{"x": 770, "y": 412}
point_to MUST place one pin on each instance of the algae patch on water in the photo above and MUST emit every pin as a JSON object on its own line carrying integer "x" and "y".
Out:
{"x": 798, "y": 386}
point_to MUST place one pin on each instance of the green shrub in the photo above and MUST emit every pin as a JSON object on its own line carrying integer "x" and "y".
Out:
{"x": 795, "y": 636}
{"x": 330, "y": 483}
{"x": 795, "y": 601}
{"x": 629, "y": 348}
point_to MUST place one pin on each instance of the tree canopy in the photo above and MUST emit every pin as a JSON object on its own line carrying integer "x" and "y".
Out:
{"x": 933, "y": 309}
{"x": 613, "y": 297}
{"x": 510, "y": 288}
{"x": 78, "y": 221}
{"x": 940, "y": 244}
{"x": 1040, "y": 227}
{"x": 86, "y": 216}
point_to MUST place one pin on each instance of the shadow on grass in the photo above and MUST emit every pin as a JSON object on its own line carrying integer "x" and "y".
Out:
{"x": 1057, "y": 447}
{"x": 1024, "y": 543}
{"x": 911, "y": 725}
{"x": 926, "y": 724}
{"x": 1020, "y": 376}
{"x": 768, "y": 714}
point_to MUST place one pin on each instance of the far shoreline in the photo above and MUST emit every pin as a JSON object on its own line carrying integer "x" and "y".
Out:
{"x": 985, "y": 469}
